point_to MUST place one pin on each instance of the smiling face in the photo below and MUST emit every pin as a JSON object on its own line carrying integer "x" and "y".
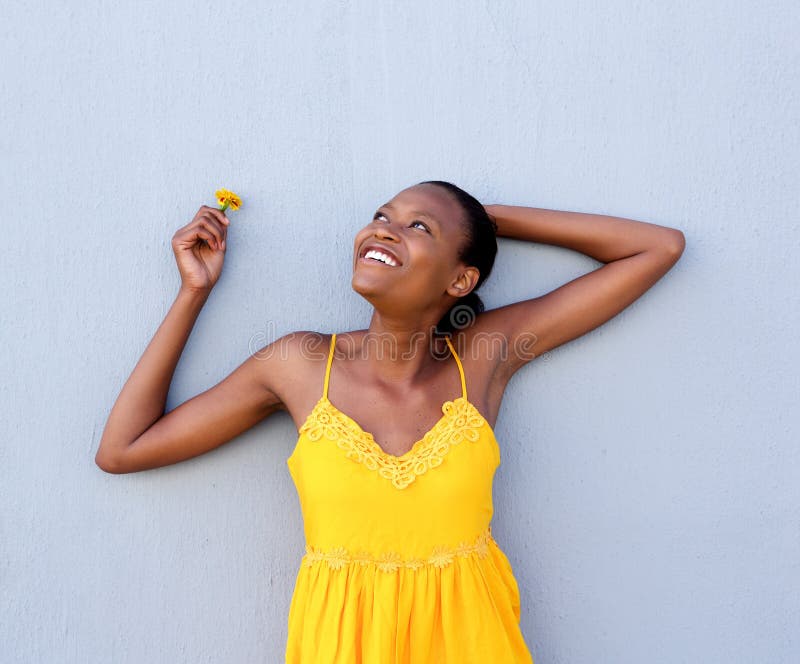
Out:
{"x": 406, "y": 259}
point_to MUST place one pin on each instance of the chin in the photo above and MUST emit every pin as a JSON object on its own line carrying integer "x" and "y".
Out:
{"x": 360, "y": 287}
{"x": 370, "y": 292}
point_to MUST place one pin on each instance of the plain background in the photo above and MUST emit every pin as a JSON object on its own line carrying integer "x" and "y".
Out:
{"x": 648, "y": 496}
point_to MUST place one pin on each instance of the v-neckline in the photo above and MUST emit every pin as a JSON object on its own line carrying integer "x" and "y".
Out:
{"x": 461, "y": 421}
{"x": 368, "y": 439}
{"x": 377, "y": 446}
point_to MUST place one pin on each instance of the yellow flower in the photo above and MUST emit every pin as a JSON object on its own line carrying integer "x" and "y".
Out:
{"x": 337, "y": 558}
{"x": 441, "y": 557}
{"x": 227, "y": 198}
{"x": 390, "y": 562}
{"x": 414, "y": 563}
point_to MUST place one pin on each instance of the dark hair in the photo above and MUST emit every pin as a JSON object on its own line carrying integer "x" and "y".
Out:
{"x": 479, "y": 250}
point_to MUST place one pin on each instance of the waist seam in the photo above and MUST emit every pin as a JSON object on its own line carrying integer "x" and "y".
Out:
{"x": 391, "y": 561}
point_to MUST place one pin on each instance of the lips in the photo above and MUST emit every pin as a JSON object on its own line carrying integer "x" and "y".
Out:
{"x": 381, "y": 249}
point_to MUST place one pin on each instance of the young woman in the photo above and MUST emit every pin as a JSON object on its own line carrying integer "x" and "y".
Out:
{"x": 396, "y": 452}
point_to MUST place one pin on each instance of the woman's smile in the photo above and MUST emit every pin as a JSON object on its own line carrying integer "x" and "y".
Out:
{"x": 375, "y": 253}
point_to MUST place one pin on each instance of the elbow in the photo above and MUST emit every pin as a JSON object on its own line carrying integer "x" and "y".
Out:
{"x": 674, "y": 244}
{"x": 679, "y": 242}
{"x": 109, "y": 463}
{"x": 106, "y": 465}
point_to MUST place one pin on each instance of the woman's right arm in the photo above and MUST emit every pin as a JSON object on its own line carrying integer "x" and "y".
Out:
{"x": 138, "y": 435}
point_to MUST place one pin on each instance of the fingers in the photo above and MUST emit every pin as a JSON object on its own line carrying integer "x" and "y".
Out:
{"x": 209, "y": 225}
{"x": 211, "y": 233}
{"x": 214, "y": 222}
{"x": 203, "y": 232}
{"x": 218, "y": 214}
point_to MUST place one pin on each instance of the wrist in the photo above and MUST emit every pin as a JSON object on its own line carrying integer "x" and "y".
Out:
{"x": 194, "y": 294}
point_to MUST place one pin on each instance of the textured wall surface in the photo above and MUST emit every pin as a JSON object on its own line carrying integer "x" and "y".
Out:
{"x": 648, "y": 496}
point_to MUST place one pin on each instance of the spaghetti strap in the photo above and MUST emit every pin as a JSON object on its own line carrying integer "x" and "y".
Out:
{"x": 450, "y": 345}
{"x": 328, "y": 367}
{"x": 460, "y": 368}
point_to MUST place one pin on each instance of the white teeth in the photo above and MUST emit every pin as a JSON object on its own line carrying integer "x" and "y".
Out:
{"x": 373, "y": 253}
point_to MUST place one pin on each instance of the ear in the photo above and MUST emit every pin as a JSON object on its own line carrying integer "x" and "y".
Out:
{"x": 464, "y": 282}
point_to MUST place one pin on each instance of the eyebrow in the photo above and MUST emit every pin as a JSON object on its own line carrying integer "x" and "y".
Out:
{"x": 419, "y": 213}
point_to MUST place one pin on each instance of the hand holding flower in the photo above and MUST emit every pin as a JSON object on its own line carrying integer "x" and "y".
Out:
{"x": 199, "y": 247}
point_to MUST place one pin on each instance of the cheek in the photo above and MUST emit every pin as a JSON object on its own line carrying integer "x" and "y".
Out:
{"x": 359, "y": 239}
{"x": 432, "y": 268}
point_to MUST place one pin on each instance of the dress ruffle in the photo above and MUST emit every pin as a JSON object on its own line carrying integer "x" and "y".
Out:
{"x": 357, "y": 612}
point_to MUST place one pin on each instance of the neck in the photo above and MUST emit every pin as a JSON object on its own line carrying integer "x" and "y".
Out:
{"x": 399, "y": 351}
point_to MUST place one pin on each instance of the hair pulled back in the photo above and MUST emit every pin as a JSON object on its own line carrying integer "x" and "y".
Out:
{"x": 478, "y": 250}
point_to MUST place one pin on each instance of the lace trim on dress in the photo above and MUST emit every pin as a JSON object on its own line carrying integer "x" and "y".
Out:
{"x": 391, "y": 561}
{"x": 460, "y": 421}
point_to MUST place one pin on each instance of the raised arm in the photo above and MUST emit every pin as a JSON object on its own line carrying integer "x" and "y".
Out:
{"x": 138, "y": 435}
{"x": 636, "y": 255}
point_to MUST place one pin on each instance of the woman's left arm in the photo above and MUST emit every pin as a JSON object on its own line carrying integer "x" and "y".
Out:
{"x": 636, "y": 255}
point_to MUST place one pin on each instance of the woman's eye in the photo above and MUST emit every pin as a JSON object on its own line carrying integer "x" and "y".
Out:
{"x": 380, "y": 215}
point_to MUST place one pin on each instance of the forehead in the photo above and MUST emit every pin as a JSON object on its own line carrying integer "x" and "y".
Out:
{"x": 432, "y": 200}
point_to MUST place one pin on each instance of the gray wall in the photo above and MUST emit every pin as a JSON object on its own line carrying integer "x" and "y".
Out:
{"x": 648, "y": 496}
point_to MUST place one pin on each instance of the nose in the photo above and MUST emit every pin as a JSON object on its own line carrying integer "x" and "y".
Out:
{"x": 386, "y": 231}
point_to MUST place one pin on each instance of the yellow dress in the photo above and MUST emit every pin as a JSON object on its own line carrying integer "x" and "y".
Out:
{"x": 400, "y": 564}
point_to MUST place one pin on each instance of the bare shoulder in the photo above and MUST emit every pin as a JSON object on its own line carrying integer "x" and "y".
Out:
{"x": 482, "y": 345}
{"x": 289, "y": 363}
{"x": 483, "y": 349}
{"x": 294, "y": 367}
